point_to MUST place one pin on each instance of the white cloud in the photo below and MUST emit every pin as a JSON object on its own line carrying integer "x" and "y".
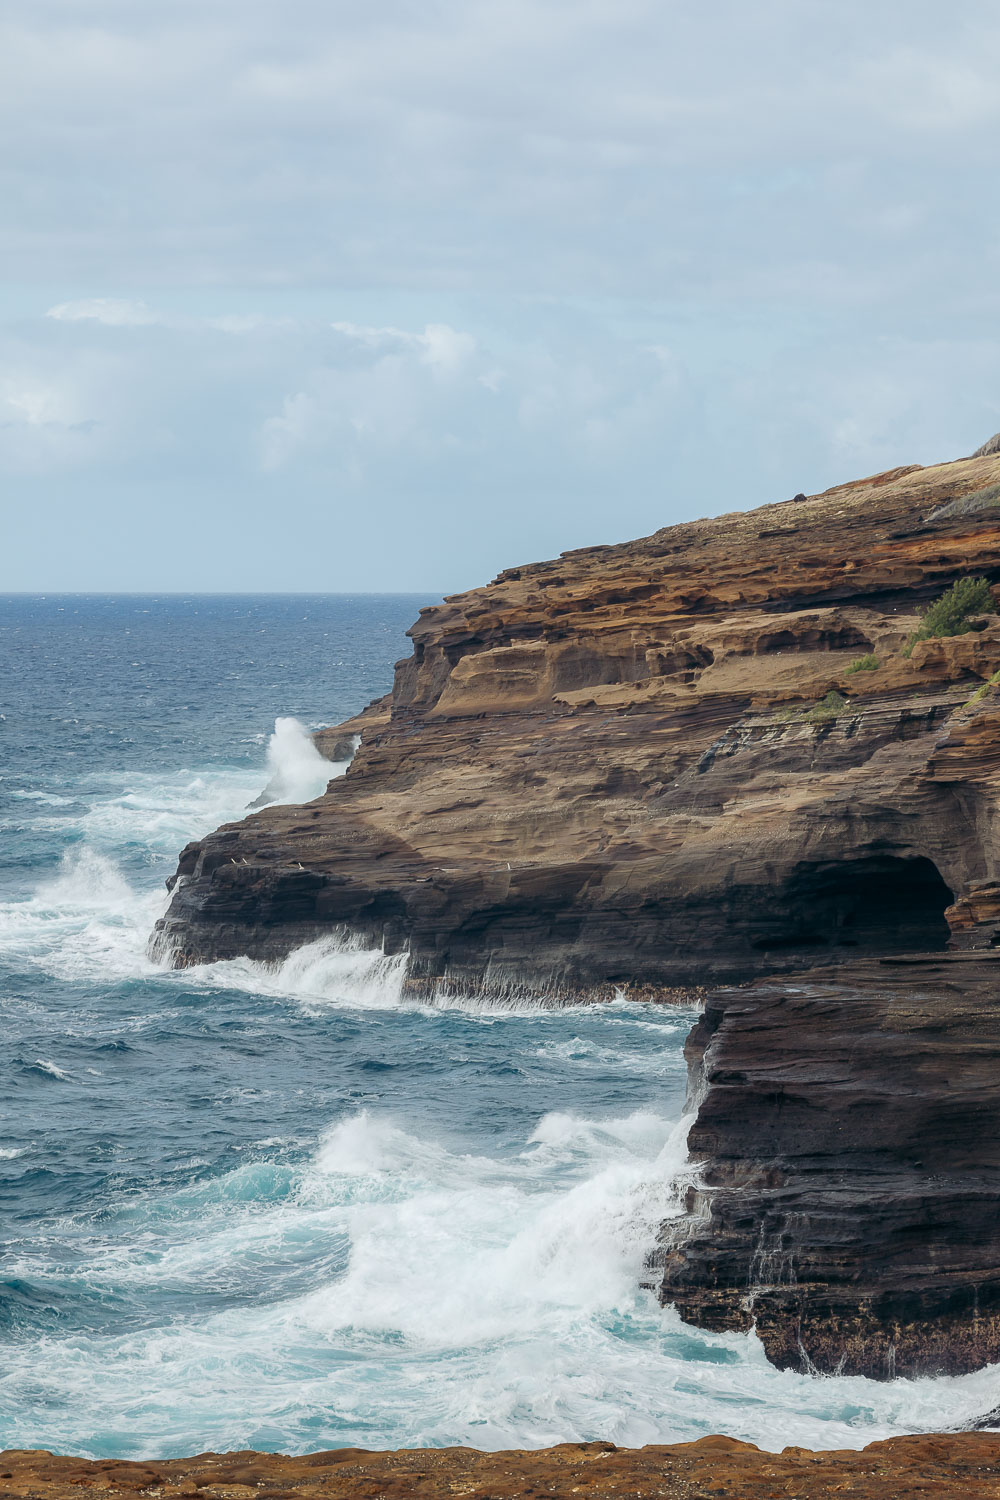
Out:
{"x": 282, "y": 435}
{"x": 594, "y": 266}
{"x": 116, "y": 312}
{"x": 539, "y": 145}
{"x": 445, "y": 349}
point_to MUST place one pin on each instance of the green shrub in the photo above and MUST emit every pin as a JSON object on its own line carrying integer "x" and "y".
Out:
{"x": 953, "y": 613}
{"x": 828, "y": 708}
{"x": 983, "y": 689}
{"x": 867, "y": 663}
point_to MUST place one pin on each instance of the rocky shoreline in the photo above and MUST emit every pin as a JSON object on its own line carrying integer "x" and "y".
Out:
{"x": 961, "y": 1466}
{"x": 722, "y": 755}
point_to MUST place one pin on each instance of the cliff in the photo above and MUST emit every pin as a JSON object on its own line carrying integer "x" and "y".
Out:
{"x": 711, "y": 757}
{"x": 618, "y": 768}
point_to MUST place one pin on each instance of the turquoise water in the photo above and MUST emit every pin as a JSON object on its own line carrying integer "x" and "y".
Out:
{"x": 284, "y": 1208}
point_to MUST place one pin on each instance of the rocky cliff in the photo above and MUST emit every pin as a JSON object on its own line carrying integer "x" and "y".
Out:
{"x": 622, "y": 767}
{"x": 715, "y": 755}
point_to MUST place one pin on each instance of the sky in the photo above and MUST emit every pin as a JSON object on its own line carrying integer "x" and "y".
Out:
{"x": 330, "y": 296}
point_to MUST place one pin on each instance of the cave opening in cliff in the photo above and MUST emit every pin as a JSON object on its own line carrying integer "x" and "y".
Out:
{"x": 876, "y": 904}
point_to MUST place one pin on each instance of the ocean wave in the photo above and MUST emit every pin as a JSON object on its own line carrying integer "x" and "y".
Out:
{"x": 333, "y": 972}
{"x": 339, "y": 970}
{"x": 296, "y": 772}
{"x": 397, "y": 1289}
{"x": 48, "y": 1069}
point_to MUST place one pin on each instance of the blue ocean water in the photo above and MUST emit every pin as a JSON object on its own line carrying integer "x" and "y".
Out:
{"x": 283, "y": 1208}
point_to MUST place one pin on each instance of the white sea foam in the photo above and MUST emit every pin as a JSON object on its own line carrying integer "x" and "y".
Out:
{"x": 89, "y": 922}
{"x": 44, "y": 1065}
{"x": 336, "y": 970}
{"x": 478, "y": 1299}
{"x": 340, "y": 970}
{"x": 296, "y": 770}
{"x": 589, "y": 1055}
{"x": 51, "y": 799}
{"x": 10, "y": 1153}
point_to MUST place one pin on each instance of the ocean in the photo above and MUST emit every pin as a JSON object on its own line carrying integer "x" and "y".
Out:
{"x": 284, "y": 1208}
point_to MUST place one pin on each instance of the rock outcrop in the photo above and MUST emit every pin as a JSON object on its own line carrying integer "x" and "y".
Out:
{"x": 623, "y": 767}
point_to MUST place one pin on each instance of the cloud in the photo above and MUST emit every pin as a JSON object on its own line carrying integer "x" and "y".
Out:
{"x": 116, "y": 312}
{"x": 437, "y": 288}
{"x": 543, "y": 146}
{"x": 444, "y": 349}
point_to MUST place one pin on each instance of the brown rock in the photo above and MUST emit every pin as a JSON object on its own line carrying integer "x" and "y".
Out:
{"x": 609, "y": 770}
{"x": 647, "y": 766}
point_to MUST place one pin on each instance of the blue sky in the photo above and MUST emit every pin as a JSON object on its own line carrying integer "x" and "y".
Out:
{"x": 390, "y": 296}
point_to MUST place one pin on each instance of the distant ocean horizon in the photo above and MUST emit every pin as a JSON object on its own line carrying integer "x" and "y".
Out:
{"x": 286, "y": 1208}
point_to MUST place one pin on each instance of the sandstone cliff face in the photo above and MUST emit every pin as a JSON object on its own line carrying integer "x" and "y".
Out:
{"x": 608, "y": 769}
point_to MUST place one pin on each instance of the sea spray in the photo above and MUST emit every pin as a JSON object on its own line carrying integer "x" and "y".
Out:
{"x": 296, "y": 770}
{"x": 339, "y": 969}
{"x": 397, "y": 1288}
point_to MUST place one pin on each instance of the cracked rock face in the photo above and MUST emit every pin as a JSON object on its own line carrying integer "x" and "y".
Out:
{"x": 618, "y": 768}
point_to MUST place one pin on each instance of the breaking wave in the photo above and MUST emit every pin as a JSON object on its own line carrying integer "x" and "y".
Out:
{"x": 336, "y": 970}
{"x": 296, "y": 770}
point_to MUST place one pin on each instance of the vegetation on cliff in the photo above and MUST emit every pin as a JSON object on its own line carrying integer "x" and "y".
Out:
{"x": 954, "y": 612}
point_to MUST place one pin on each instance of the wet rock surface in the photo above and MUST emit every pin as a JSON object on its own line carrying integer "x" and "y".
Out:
{"x": 849, "y": 1203}
{"x": 960, "y": 1465}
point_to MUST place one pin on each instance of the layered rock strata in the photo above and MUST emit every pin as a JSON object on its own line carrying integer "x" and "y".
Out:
{"x": 618, "y": 768}
{"x": 849, "y": 1201}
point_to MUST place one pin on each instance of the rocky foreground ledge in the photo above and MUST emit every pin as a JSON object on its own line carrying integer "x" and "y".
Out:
{"x": 964, "y": 1466}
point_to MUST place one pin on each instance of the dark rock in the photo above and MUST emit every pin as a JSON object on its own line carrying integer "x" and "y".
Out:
{"x": 849, "y": 1208}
